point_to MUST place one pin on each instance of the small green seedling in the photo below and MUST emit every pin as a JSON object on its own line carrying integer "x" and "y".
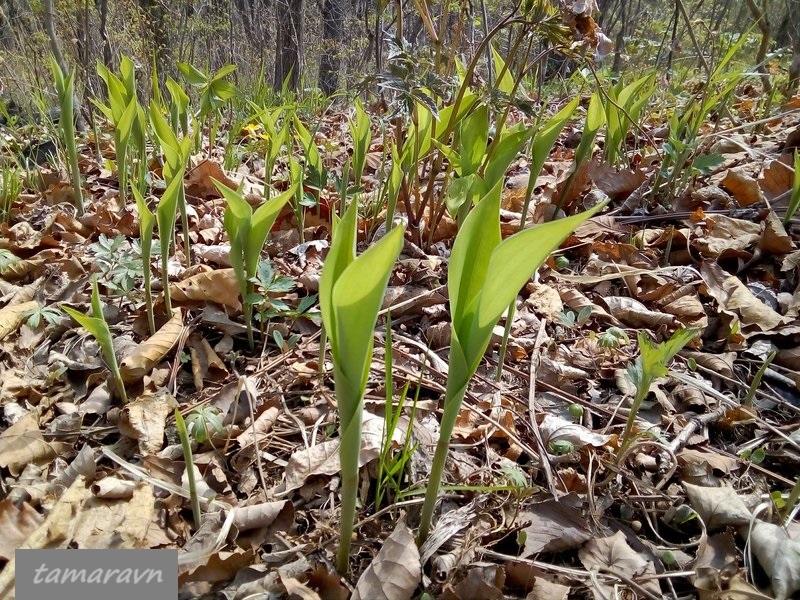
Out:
{"x": 65, "y": 86}
{"x": 147, "y": 222}
{"x": 570, "y": 319}
{"x": 485, "y": 275}
{"x": 613, "y": 337}
{"x": 186, "y": 445}
{"x": 166, "y": 214}
{"x": 652, "y": 363}
{"x": 10, "y": 189}
{"x": 361, "y": 134}
{"x": 595, "y": 117}
{"x": 351, "y": 290}
{"x": 97, "y": 326}
{"x": 247, "y": 232}
{"x": 204, "y": 422}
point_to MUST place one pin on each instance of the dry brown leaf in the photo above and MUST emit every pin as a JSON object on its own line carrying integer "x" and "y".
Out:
{"x": 144, "y": 419}
{"x": 21, "y": 268}
{"x": 742, "y": 187}
{"x": 16, "y": 523}
{"x": 198, "y": 180}
{"x": 482, "y": 582}
{"x": 295, "y": 588}
{"x": 545, "y": 300}
{"x": 635, "y": 314}
{"x": 717, "y": 506}
{"x": 776, "y": 179}
{"x": 698, "y": 466}
{"x": 614, "y": 555}
{"x": 218, "y": 286}
{"x": 11, "y": 317}
{"x": 774, "y": 239}
{"x": 323, "y": 459}
{"x": 395, "y": 572}
{"x": 114, "y": 523}
{"x": 718, "y": 363}
{"x": 23, "y": 443}
{"x": 779, "y": 556}
{"x": 277, "y": 516}
{"x": 556, "y": 429}
{"x": 555, "y": 526}
{"x": 206, "y": 364}
{"x": 150, "y": 352}
{"x": 544, "y": 589}
{"x": 735, "y": 299}
{"x": 726, "y": 233}
{"x": 52, "y": 533}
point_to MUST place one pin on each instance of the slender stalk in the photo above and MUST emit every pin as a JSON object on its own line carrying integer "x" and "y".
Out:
{"x": 186, "y": 445}
{"x": 454, "y": 396}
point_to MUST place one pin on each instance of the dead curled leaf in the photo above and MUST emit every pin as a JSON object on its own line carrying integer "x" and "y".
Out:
{"x": 557, "y": 429}
{"x": 150, "y": 352}
{"x": 717, "y": 506}
{"x": 613, "y": 555}
{"x": 218, "y": 286}
{"x": 779, "y": 555}
{"x": 555, "y": 526}
{"x": 395, "y": 572}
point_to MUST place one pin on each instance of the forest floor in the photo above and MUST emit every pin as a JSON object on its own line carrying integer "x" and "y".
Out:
{"x": 541, "y": 499}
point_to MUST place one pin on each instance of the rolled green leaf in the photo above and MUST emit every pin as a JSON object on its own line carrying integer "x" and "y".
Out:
{"x": 351, "y": 291}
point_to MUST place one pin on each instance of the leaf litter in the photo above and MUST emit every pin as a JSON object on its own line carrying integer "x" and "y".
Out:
{"x": 543, "y": 499}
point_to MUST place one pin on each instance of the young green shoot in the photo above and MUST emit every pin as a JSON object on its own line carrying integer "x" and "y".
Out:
{"x": 176, "y": 154}
{"x": 166, "y": 213}
{"x": 97, "y": 326}
{"x": 485, "y": 275}
{"x": 351, "y": 291}
{"x": 247, "y": 232}
{"x": 186, "y": 445}
{"x": 147, "y": 222}
{"x": 10, "y": 189}
{"x": 652, "y": 363}
{"x": 65, "y": 87}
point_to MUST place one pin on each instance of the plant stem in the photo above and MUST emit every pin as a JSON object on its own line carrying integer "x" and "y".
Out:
{"x": 501, "y": 358}
{"x": 452, "y": 405}
{"x": 183, "y": 434}
{"x": 350, "y": 447}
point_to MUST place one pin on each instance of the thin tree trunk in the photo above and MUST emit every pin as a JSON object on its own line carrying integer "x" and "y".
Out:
{"x": 289, "y": 47}
{"x": 759, "y": 13}
{"x": 332, "y": 35}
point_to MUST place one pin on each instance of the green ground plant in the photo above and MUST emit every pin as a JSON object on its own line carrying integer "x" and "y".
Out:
{"x": 96, "y": 325}
{"x": 65, "y": 87}
{"x": 10, "y": 189}
{"x": 176, "y": 154}
{"x": 351, "y": 291}
{"x": 652, "y": 363}
{"x": 393, "y": 463}
{"x": 485, "y": 275}
{"x": 186, "y": 446}
{"x": 166, "y": 214}
{"x": 214, "y": 90}
{"x": 247, "y": 231}
{"x": 147, "y": 222}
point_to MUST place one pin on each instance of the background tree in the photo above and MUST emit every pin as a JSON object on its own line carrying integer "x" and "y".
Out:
{"x": 332, "y": 34}
{"x": 289, "y": 46}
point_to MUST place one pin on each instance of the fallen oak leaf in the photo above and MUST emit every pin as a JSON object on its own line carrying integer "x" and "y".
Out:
{"x": 395, "y": 572}
{"x": 150, "y": 352}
